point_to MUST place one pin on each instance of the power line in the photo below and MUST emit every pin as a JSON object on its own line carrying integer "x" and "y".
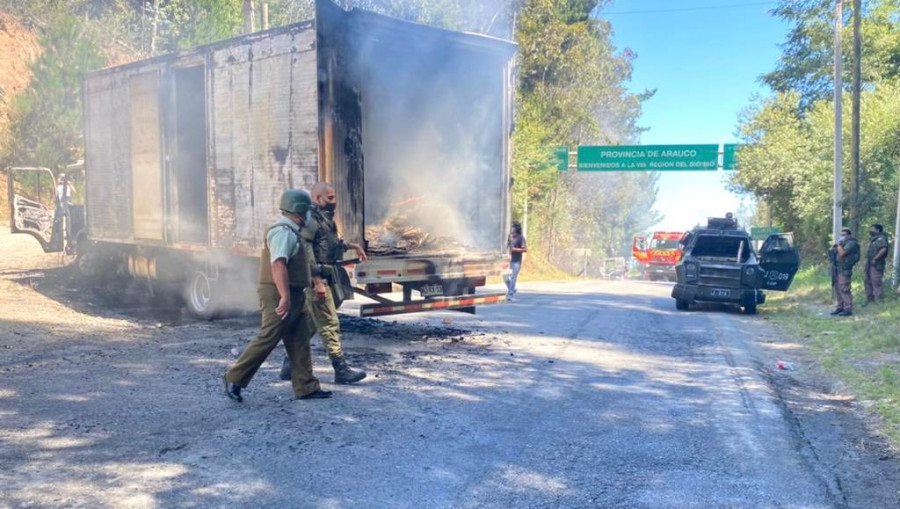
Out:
{"x": 683, "y": 9}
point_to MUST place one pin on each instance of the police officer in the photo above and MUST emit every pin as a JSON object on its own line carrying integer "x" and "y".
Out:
{"x": 845, "y": 254}
{"x": 284, "y": 282}
{"x": 328, "y": 249}
{"x": 876, "y": 257}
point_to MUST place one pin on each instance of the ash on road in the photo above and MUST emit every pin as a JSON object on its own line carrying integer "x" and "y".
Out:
{"x": 593, "y": 394}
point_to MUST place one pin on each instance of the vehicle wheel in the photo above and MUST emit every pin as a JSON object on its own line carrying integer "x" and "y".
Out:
{"x": 750, "y": 309}
{"x": 682, "y": 305}
{"x": 199, "y": 296}
{"x": 84, "y": 263}
{"x": 89, "y": 261}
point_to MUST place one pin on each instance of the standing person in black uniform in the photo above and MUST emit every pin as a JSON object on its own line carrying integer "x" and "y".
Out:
{"x": 845, "y": 255}
{"x": 876, "y": 262}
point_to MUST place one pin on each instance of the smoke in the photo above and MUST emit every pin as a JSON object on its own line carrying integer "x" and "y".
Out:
{"x": 433, "y": 129}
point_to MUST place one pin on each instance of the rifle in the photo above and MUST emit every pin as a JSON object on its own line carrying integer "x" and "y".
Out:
{"x": 832, "y": 256}
{"x": 339, "y": 281}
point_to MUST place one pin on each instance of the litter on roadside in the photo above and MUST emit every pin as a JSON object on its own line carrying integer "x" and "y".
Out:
{"x": 785, "y": 365}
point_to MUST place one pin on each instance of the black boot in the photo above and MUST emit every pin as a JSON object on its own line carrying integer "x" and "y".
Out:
{"x": 285, "y": 369}
{"x": 344, "y": 374}
{"x": 233, "y": 391}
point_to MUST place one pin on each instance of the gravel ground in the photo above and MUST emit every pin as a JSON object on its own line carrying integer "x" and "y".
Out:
{"x": 577, "y": 395}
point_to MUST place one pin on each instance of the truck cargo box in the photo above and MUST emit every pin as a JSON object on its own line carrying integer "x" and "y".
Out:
{"x": 193, "y": 150}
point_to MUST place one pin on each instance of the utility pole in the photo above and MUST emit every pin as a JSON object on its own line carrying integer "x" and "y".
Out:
{"x": 854, "y": 142}
{"x": 249, "y": 15}
{"x": 265, "y": 15}
{"x": 838, "y": 134}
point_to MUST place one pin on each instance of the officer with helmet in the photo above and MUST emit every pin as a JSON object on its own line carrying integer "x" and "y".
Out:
{"x": 284, "y": 277}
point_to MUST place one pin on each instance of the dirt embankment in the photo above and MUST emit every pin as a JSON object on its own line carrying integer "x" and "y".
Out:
{"x": 18, "y": 48}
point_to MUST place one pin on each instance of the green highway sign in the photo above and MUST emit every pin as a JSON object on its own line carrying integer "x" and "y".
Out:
{"x": 728, "y": 156}
{"x": 762, "y": 233}
{"x": 561, "y": 156}
{"x": 648, "y": 158}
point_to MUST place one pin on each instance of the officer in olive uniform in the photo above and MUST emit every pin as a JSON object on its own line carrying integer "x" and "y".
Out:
{"x": 876, "y": 259}
{"x": 845, "y": 254}
{"x": 284, "y": 282}
{"x": 328, "y": 250}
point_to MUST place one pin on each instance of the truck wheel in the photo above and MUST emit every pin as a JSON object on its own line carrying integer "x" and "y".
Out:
{"x": 90, "y": 261}
{"x": 199, "y": 296}
{"x": 750, "y": 309}
{"x": 84, "y": 262}
{"x": 682, "y": 305}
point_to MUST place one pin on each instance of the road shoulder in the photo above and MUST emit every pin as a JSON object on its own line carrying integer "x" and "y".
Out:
{"x": 831, "y": 426}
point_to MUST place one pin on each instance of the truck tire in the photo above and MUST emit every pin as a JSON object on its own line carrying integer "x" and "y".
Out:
{"x": 750, "y": 309}
{"x": 92, "y": 262}
{"x": 200, "y": 296}
{"x": 682, "y": 305}
{"x": 85, "y": 263}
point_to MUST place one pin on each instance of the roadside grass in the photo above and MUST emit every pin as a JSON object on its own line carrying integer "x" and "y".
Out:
{"x": 536, "y": 267}
{"x": 862, "y": 351}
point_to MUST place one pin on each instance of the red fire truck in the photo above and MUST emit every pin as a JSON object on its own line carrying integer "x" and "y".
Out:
{"x": 657, "y": 258}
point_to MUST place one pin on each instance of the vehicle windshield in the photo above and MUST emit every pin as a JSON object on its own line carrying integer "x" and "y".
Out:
{"x": 716, "y": 246}
{"x": 664, "y": 244}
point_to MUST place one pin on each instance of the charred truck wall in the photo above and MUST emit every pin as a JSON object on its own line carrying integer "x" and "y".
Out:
{"x": 193, "y": 151}
{"x": 341, "y": 159}
{"x": 265, "y": 138}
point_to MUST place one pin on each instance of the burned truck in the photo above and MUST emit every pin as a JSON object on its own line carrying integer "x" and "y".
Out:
{"x": 721, "y": 264}
{"x": 187, "y": 154}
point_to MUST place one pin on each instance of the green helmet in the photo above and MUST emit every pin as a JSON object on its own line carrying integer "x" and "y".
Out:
{"x": 296, "y": 201}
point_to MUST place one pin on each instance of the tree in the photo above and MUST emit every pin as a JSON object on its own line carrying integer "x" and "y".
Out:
{"x": 806, "y": 63}
{"x": 46, "y": 125}
{"x": 573, "y": 90}
{"x": 787, "y": 161}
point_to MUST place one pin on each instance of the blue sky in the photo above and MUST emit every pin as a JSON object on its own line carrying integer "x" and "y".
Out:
{"x": 704, "y": 58}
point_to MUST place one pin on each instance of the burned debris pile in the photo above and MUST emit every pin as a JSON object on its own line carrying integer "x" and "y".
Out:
{"x": 399, "y": 234}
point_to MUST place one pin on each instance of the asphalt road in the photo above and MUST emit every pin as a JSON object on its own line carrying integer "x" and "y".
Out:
{"x": 612, "y": 398}
{"x": 576, "y": 395}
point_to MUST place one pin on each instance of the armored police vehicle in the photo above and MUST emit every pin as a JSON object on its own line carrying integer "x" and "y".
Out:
{"x": 721, "y": 264}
